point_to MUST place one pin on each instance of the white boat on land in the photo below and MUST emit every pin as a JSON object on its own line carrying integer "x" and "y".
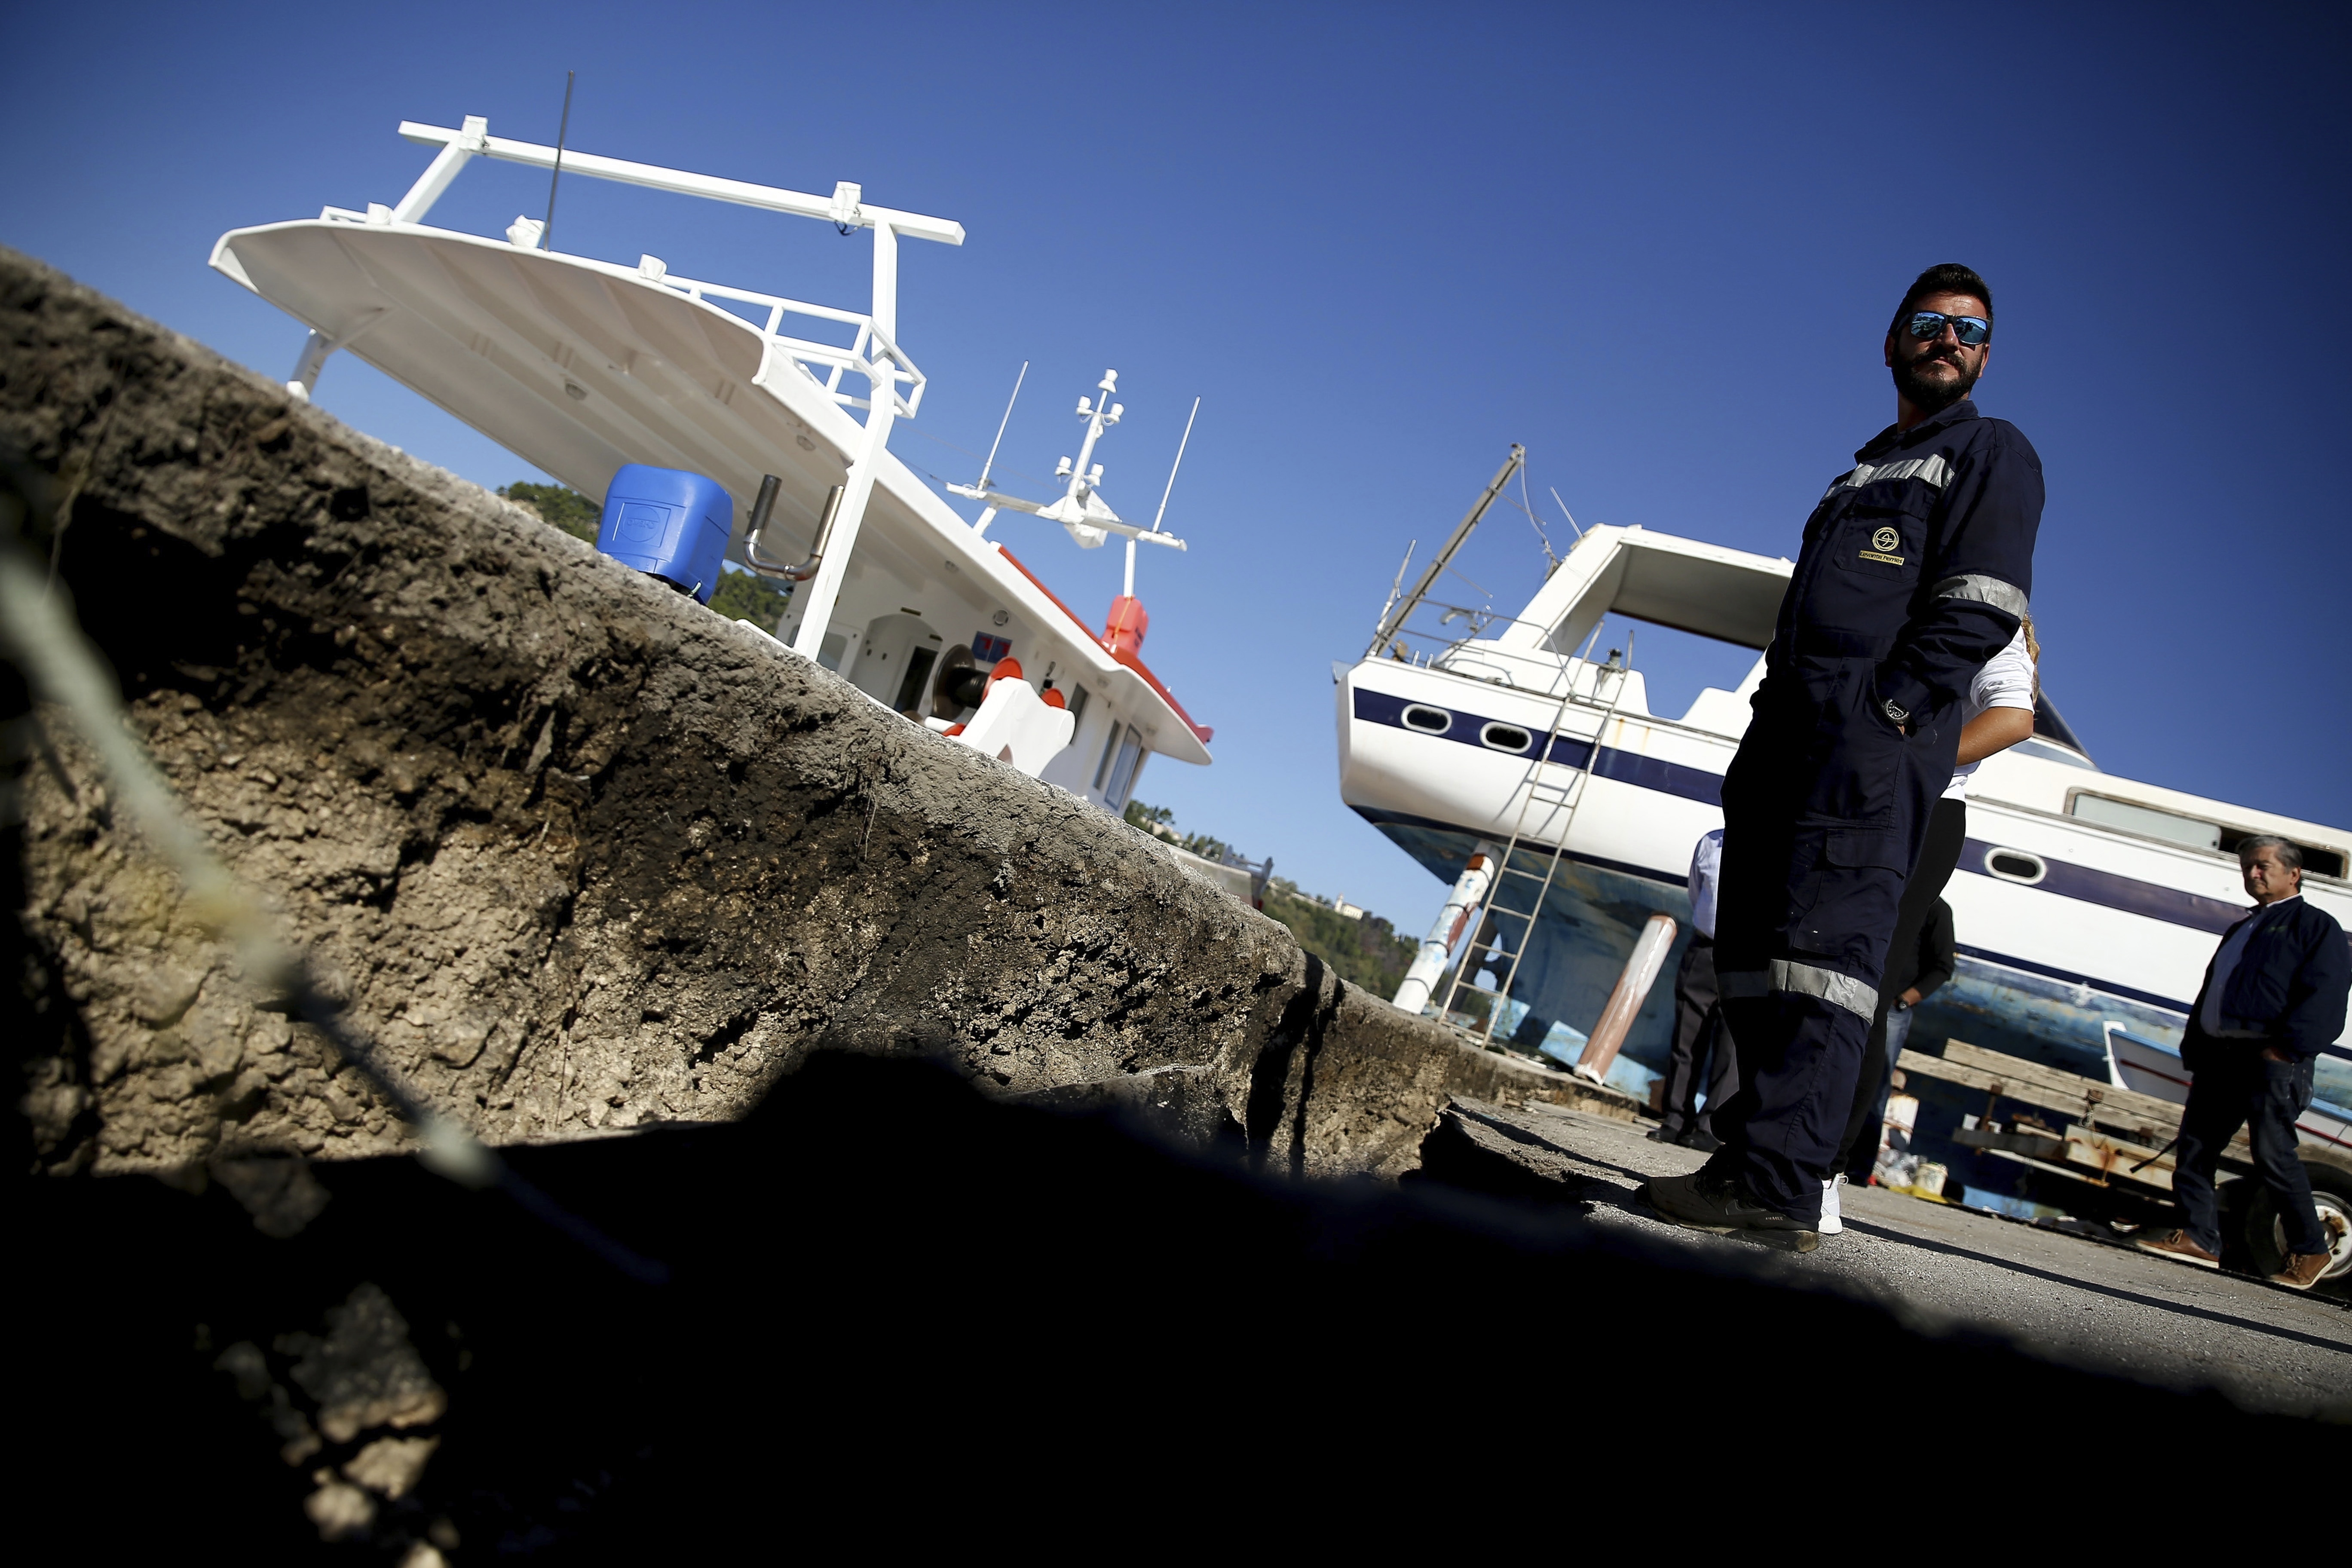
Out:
{"x": 2082, "y": 899}
{"x": 579, "y": 366}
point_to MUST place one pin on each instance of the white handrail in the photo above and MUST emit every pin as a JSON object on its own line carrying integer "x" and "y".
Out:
{"x": 875, "y": 347}
{"x": 742, "y": 193}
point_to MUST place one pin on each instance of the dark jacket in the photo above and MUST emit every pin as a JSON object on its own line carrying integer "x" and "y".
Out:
{"x": 2290, "y": 984}
{"x": 1926, "y": 964}
{"x": 1919, "y": 558}
{"x": 1915, "y": 571}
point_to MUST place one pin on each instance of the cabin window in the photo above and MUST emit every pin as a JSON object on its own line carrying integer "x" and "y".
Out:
{"x": 2015, "y": 866}
{"x": 2317, "y": 860}
{"x": 1506, "y": 738}
{"x": 2146, "y": 820}
{"x": 2193, "y": 831}
{"x": 1428, "y": 721}
{"x": 1122, "y": 772}
{"x": 1077, "y": 702}
{"x": 829, "y": 651}
{"x": 1110, "y": 751}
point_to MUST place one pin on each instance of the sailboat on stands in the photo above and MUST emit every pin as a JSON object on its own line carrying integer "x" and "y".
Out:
{"x": 579, "y": 366}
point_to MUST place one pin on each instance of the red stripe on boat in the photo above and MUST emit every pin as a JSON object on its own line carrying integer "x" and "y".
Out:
{"x": 1129, "y": 659}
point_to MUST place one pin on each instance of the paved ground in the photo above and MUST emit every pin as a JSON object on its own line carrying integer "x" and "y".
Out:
{"x": 2091, "y": 1303}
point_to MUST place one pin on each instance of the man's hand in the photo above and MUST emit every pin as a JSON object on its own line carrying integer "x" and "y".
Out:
{"x": 2272, "y": 1053}
{"x": 1911, "y": 997}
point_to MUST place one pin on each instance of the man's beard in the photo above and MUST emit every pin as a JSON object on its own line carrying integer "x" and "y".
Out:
{"x": 1930, "y": 396}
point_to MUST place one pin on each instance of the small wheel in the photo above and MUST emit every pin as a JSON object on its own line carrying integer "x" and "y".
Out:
{"x": 2266, "y": 1232}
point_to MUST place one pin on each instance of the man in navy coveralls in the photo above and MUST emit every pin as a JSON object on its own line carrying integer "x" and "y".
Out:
{"x": 1916, "y": 569}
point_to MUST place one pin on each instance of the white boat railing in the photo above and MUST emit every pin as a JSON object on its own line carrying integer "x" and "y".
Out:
{"x": 870, "y": 352}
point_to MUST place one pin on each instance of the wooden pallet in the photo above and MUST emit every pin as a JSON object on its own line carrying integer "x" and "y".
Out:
{"x": 2107, "y": 1132}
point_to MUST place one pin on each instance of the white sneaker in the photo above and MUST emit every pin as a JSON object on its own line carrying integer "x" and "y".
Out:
{"x": 1833, "y": 1223}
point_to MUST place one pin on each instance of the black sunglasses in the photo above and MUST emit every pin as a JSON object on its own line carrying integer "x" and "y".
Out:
{"x": 1971, "y": 330}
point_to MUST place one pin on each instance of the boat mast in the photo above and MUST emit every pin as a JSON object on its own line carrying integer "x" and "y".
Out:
{"x": 1396, "y": 617}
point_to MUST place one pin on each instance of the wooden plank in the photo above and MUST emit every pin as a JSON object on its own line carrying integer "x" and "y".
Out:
{"x": 2114, "y": 1158}
{"x": 2015, "y": 1079}
{"x": 2150, "y": 1123}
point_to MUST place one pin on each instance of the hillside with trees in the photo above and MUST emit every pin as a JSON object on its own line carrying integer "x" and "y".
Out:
{"x": 1365, "y": 950}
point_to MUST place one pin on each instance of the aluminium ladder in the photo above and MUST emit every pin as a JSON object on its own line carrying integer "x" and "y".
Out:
{"x": 1564, "y": 796}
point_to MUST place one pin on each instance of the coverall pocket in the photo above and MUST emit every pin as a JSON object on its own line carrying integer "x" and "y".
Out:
{"x": 1844, "y": 907}
{"x": 1857, "y": 761}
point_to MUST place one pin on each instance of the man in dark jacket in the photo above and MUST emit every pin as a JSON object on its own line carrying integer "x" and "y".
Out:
{"x": 1915, "y": 571}
{"x": 2274, "y": 997}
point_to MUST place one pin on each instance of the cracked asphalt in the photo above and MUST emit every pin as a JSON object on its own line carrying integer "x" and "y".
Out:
{"x": 2066, "y": 1297}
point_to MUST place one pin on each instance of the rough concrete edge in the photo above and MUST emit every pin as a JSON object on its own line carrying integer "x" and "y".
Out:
{"x": 1439, "y": 1063}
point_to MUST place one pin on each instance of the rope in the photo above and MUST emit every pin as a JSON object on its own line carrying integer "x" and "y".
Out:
{"x": 61, "y": 667}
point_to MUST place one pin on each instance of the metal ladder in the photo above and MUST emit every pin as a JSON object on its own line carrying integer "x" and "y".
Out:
{"x": 1567, "y": 794}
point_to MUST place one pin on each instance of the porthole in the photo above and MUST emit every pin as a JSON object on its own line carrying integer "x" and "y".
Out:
{"x": 2015, "y": 866}
{"x": 1506, "y": 738}
{"x": 1428, "y": 721}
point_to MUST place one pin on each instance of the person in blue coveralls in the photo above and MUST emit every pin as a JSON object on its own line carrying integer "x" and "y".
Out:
{"x": 2273, "y": 998}
{"x": 1916, "y": 569}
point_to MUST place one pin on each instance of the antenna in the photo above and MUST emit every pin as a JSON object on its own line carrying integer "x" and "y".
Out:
{"x": 1564, "y": 512}
{"x": 1528, "y": 508}
{"x": 1001, "y": 424}
{"x": 562, "y": 129}
{"x": 1171, "y": 481}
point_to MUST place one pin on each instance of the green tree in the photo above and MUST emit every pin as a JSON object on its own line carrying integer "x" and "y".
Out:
{"x": 748, "y": 597}
{"x": 1139, "y": 815}
{"x": 1365, "y": 952}
{"x": 568, "y": 509}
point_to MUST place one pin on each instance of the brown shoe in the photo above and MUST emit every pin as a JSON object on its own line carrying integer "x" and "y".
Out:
{"x": 2302, "y": 1271}
{"x": 2176, "y": 1245}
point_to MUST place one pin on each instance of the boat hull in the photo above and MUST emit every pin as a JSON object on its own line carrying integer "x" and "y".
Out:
{"x": 2063, "y": 925}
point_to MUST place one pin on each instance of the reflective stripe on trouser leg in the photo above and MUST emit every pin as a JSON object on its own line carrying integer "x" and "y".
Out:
{"x": 1803, "y": 980}
{"x": 1799, "y": 1058}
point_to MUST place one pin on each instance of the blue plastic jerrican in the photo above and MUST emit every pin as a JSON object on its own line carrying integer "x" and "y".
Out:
{"x": 670, "y": 523}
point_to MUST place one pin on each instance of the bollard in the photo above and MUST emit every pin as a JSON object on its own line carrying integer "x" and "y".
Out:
{"x": 1632, "y": 990}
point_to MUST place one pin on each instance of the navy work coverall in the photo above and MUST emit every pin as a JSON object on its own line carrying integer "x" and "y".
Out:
{"x": 1915, "y": 572}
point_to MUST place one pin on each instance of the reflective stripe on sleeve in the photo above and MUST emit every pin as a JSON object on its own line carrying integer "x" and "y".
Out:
{"x": 1932, "y": 470}
{"x": 1801, "y": 980}
{"x": 1984, "y": 590}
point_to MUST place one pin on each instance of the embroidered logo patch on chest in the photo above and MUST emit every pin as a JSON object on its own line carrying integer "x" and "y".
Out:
{"x": 1882, "y": 543}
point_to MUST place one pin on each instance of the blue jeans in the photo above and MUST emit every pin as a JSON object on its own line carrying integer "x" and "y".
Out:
{"x": 2238, "y": 1089}
{"x": 1899, "y": 1029}
{"x": 1859, "y": 1153}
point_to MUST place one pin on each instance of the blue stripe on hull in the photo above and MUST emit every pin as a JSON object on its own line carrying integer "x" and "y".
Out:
{"x": 2109, "y": 890}
{"x": 1626, "y": 768}
{"x": 1994, "y": 1000}
{"x": 2060, "y": 878}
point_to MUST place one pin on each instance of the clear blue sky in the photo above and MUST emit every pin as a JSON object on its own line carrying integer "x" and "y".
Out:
{"x": 1658, "y": 245}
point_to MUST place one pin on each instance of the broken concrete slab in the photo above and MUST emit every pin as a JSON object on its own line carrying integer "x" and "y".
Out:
{"x": 578, "y": 853}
